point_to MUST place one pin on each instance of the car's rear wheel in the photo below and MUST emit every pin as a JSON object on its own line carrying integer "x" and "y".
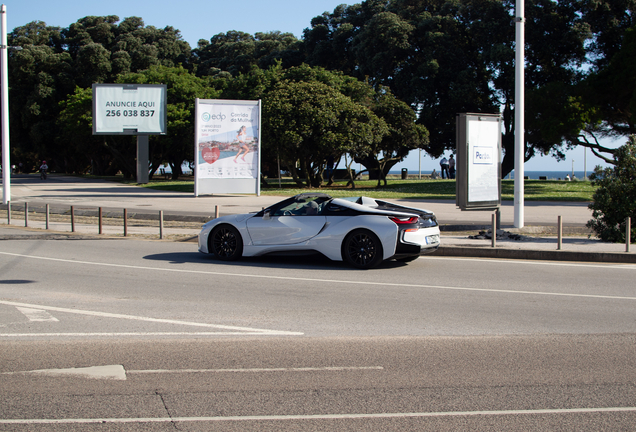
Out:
{"x": 226, "y": 243}
{"x": 362, "y": 249}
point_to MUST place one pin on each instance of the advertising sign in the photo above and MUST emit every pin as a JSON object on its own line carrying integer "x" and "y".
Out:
{"x": 227, "y": 146}
{"x": 129, "y": 109}
{"x": 478, "y": 161}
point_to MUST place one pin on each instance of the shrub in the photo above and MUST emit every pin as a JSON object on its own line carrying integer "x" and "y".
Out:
{"x": 615, "y": 198}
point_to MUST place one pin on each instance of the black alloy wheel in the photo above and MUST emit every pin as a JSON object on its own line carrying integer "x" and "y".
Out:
{"x": 362, "y": 249}
{"x": 226, "y": 243}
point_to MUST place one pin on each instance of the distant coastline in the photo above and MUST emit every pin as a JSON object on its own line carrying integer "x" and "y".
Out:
{"x": 551, "y": 175}
{"x": 532, "y": 175}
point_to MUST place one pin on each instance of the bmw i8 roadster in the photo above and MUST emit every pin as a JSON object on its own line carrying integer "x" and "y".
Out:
{"x": 361, "y": 231}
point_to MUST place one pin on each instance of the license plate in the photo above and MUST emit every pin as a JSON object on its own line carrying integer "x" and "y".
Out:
{"x": 434, "y": 239}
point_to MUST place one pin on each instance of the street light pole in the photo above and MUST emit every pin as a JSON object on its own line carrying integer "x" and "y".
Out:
{"x": 4, "y": 106}
{"x": 519, "y": 115}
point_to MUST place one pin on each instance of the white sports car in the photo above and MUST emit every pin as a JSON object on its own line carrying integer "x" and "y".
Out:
{"x": 361, "y": 231}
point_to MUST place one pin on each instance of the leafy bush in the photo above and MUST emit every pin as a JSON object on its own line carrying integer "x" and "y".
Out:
{"x": 615, "y": 198}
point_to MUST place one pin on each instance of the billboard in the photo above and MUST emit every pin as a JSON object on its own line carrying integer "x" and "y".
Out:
{"x": 227, "y": 146}
{"x": 129, "y": 109}
{"x": 478, "y": 161}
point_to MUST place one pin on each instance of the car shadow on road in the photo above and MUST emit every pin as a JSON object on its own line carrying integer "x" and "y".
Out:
{"x": 295, "y": 262}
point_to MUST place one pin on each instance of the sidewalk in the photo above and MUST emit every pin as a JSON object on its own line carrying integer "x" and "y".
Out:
{"x": 184, "y": 214}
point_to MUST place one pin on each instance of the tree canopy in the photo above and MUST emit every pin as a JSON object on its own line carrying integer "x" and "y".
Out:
{"x": 392, "y": 73}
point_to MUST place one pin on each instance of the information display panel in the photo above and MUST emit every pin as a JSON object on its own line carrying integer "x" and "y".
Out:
{"x": 129, "y": 109}
{"x": 478, "y": 184}
{"x": 227, "y": 146}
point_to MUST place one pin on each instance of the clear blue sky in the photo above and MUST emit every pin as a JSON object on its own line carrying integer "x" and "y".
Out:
{"x": 198, "y": 19}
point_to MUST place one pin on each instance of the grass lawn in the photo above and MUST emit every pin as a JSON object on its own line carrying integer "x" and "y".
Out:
{"x": 535, "y": 190}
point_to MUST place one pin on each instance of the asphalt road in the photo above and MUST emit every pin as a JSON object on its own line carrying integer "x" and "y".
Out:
{"x": 148, "y": 335}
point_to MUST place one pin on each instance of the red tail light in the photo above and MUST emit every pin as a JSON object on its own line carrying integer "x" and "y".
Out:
{"x": 404, "y": 220}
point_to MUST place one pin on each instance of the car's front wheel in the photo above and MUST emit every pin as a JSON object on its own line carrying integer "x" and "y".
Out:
{"x": 226, "y": 243}
{"x": 362, "y": 249}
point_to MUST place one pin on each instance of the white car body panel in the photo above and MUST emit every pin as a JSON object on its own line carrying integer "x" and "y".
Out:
{"x": 284, "y": 230}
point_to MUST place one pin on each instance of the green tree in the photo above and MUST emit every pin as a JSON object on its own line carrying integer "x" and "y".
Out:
{"x": 40, "y": 77}
{"x": 613, "y": 88}
{"x": 403, "y": 136}
{"x": 54, "y": 61}
{"x": 422, "y": 51}
{"x": 446, "y": 57}
{"x": 237, "y": 52}
{"x": 306, "y": 123}
{"x": 615, "y": 198}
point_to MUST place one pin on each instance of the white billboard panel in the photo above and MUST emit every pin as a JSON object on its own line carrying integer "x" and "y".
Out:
{"x": 478, "y": 161}
{"x": 227, "y": 146}
{"x": 129, "y": 109}
{"x": 483, "y": 174}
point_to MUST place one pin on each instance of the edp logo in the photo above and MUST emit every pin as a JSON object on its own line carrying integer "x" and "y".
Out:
{"x": 206, "y": 117}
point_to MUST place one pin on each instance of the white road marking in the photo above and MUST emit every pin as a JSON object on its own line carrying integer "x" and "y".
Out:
{"x": 37, "y": 314}
{"x": 117, "y": 372}
{"x": 147, "y": 319}
{"x": 114, "y": 372}
{"x": 334, "y": 281}
{"x": 323, "y": 416}
{"x": 144, "y": 334}
{"x": 258, "y": 370}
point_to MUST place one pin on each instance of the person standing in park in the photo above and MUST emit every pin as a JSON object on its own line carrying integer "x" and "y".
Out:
{"x": 444, "y": 167}
{"x": 451, "y": 167}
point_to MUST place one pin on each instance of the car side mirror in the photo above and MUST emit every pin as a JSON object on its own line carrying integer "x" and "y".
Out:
{"x": 266, "y": 215}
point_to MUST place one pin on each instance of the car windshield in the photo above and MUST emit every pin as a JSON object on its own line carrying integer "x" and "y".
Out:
{"x": 305, "y": 206}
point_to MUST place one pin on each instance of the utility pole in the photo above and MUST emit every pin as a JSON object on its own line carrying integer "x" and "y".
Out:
{"x": 520, "y": 147}
{"x": 4, "y": 106}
